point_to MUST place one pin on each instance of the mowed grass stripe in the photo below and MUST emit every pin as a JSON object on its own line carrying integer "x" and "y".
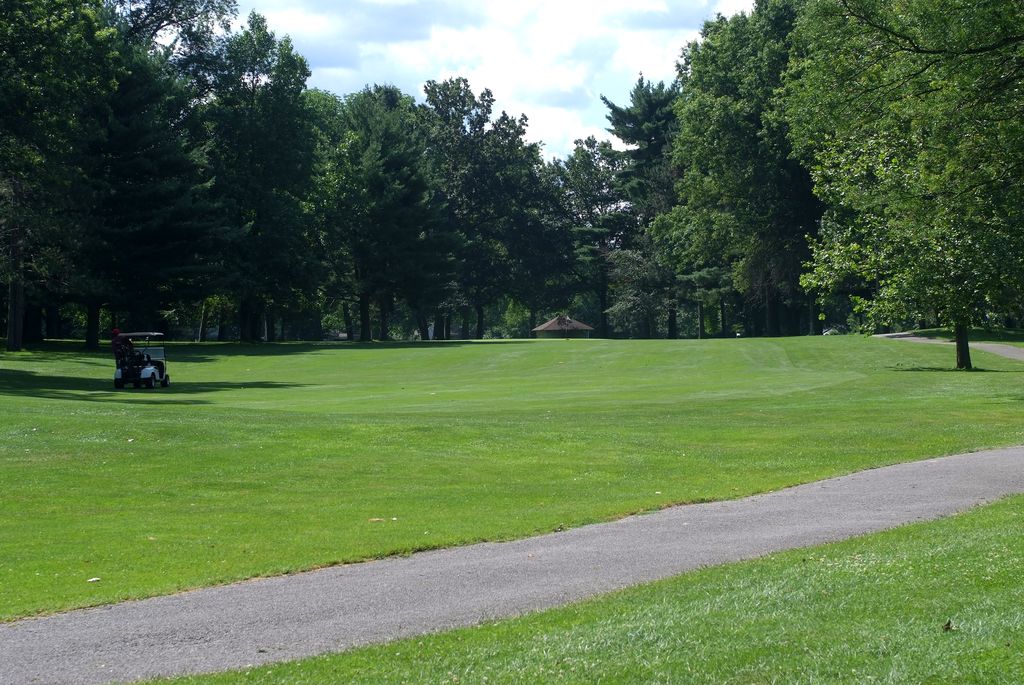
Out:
{"x": 261, "y": 460}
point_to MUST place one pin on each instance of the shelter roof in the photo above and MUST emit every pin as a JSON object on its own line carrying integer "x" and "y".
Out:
{"x": 563, "y": 323}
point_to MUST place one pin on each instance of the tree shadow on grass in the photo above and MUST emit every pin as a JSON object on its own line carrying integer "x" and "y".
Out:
{"x": 21, "y": 383}
{"x": 189, "y": 352}
{"x": 949, "y": 369}
{"x": 207, "y": 352}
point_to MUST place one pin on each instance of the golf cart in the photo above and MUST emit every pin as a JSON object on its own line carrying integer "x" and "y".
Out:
{"x": 138, "y": 361}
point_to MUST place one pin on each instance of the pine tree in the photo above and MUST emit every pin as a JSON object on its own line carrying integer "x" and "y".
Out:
{"x": 153, "y": 235}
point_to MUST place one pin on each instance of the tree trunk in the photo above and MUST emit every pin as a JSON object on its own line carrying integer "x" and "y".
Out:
{"x": 270, "y": 322}
{"x": 439, "y": 326}
{"x": 92, "y": 326}
{"x": 721, "y": 316}
{"x": 246, "y": 327}
{"x": 771, "y": 314}
{"x": 201, "y": 333}
{"x": 447, "y": 330}
{"x": 673, "y": 323}
{"x": 464, "y": 332}
{"x": 479, "y": 322}
{"x": 32, "y": 329}
{"x": 268, "y": 326}
{"x": 15, "y": 311}
{"x": 423, "y": 324}
{"x": 53, "y": 323}
{"x": 16, "y": 289}
{"x": 603, "y": 329}
{"x": 365, "y": 332}
{"x": 385, "y": 326}
{"x": 533, "y": 322}
{"x": 701, "y": 332}
{"x": 752, "y": 319}
{"x": 963, "y": 350}
{"x": 646, "y": 329}
{"x": 246, "y": 332}
{"x": 350, "y": 327}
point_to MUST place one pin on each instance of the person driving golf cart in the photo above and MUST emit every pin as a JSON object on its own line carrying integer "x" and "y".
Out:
{"x": 122, "y": 347}
{"x": 138, "y": 367}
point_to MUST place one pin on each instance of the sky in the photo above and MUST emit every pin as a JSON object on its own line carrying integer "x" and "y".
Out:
{"x": 551, "y": 60}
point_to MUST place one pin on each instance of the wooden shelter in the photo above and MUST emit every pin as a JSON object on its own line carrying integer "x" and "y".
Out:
{"x": 563, "y": 327}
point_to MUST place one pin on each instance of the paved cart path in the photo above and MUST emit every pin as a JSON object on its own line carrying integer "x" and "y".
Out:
{"x": 1008, "y": 351}
{"x": 282, "y": 618}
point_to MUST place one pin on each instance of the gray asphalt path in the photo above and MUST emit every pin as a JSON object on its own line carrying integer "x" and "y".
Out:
{"x": 334, "y": 609}
{"x": 1009, "y": 351}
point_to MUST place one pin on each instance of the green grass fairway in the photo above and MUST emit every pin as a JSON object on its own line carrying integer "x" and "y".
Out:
{"x": 262, "y": 460}
{"x": 940, "y": 602}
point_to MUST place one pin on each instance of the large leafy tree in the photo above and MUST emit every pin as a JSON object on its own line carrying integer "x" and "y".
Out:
{"x": 745, "y": 205}
{"x": 540, "y": 237}
{"x": 151, "y": 238}
{"x": 643, "y": 288}
{"x": 185, "y": 31}
{"x": 458, "y": 120}
{"x": 483, "y": 170}
{"x": 912, "y": 114}
{"x": 647, "y": 126}
{"x": 645, "y": 181}
{"x": 190, "y": 24}
{"x": 395, "y": 249}
{"x": 334, "y": 194}
{"x": 54, "y": 57}
{"x": 502, "y": 168}
{"x": 93, "y": 115}
{"x": 263, "y": 152}
{"x": 598, "y": 214}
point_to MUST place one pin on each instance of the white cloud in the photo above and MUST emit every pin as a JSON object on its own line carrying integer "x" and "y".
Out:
{"x": 549, "y": 60}
{"x": 727, "y": 8}
{"x": 303, "y": 25}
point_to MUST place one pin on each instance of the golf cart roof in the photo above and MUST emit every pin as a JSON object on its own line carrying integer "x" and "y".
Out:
{"x": 151, "y": 334}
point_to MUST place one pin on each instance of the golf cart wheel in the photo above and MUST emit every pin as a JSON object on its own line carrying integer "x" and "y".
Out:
{"x": 165, "y": 381}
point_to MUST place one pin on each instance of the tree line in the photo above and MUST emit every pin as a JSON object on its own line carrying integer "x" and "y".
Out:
{"x": 846, "y": 163}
